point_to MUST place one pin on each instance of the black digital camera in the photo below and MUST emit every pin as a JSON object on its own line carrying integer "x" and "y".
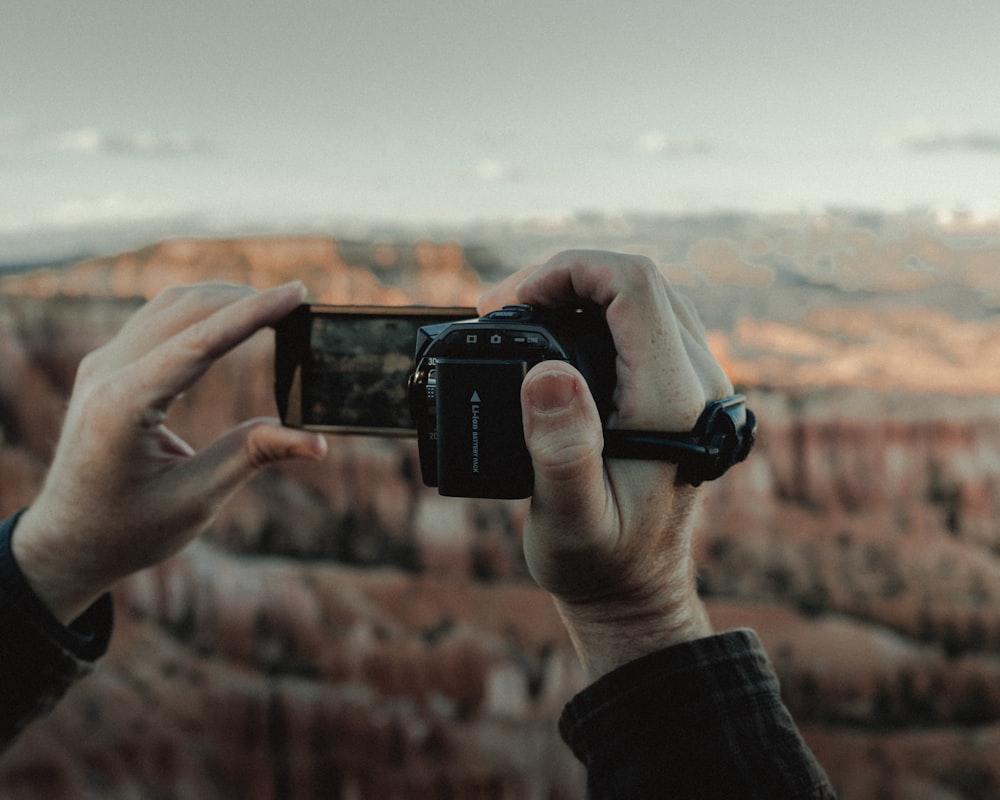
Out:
{"x": 453, "y": 380}
{"x": 464, "y": 392}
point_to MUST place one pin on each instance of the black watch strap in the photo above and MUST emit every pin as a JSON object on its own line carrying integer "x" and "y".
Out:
{"x": 722, "y": 437}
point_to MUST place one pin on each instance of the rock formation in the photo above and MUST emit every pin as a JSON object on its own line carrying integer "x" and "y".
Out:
{"x": 342, "y": 631}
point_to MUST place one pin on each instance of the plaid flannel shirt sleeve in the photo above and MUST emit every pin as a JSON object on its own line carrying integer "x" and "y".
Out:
{"x": 39, "y": 657}
{"x": 703, "y": 719}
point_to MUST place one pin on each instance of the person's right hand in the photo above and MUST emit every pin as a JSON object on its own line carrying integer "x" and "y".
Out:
{"x": 612, "y": 540}
{"x": 124, "y": 491}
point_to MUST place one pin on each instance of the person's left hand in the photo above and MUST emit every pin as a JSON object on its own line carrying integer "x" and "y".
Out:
{"x": 125, "y": 492}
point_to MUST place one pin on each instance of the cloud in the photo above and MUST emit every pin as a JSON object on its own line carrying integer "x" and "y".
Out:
{"x": 110, "y": 209}
{"x": 91, "y": 141}
{"x": 493, "y": 170}
{"x": 658, "y": 143}
{"x": 929, "y": 140}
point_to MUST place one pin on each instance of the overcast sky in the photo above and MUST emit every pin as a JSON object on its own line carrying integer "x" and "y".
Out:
{"x": 297, "y": 112}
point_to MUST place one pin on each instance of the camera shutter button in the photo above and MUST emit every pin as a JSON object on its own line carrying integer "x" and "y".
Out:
{"x": 516, "y": 311}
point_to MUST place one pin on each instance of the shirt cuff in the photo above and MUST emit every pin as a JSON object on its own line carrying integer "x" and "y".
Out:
{"x": 698, "y": 719}
{"x": 86, "y": 638}
{"x": 684, "y": 671}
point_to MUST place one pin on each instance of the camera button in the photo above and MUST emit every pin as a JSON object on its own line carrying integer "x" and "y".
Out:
{"x": 517, "y": 311}
{"x": 531, "y": 339}
{"x": 460, "y": 341}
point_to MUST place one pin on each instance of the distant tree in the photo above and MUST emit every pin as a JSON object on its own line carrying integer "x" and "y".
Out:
{"x": 916, "y": 706}
{"x": 951, "y": 639}
{"x": 976, "y": 637}
{"x": 975, "y": 705}
{"x": 814, "y": 600}
{"x": 884, "y": 712}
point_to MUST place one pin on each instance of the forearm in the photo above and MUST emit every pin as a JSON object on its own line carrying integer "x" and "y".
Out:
{"x": 701, "y": 719}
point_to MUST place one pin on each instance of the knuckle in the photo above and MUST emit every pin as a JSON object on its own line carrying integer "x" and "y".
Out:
{"x": 169, "y": 296}
{"x": 642, "y": 272}
{"x": 200, "y": 341}
{"x": 195, "y": 338}
{"x": 96, "y": 371}
{"x": 565, "y": 458}
{"x": 100, "y": 402}
{"x": 89, "y": 367}
{"x": 200, "y": 298}
{"x": 172, "y": 293}
{"x": 259, "y": 448}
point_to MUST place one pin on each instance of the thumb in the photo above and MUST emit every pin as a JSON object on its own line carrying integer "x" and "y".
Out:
{"x": 562, "y": 430}
{"x": 236, "y": 456}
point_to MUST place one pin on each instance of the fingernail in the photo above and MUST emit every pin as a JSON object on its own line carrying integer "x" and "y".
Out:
{"x": 552, "y": 391}
{"x": 318, "y": 446}
{"x": 292, "y": 287}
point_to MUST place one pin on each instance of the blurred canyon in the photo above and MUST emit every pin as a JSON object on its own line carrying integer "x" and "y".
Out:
{"x": 344, "y": 632}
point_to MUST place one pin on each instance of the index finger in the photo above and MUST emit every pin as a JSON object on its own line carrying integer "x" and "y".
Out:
{"x": 504, "y": 292}
{"x": 658, "y": 386}
{"x": 174, "y": 365}
{"x": 172, "y": 310}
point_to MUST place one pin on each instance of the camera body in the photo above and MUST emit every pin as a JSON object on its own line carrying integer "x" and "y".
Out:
{"x": 464, "y": 392}
{"x": 454, "y": 381}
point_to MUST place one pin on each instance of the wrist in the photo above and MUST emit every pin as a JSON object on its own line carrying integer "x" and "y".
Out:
{"x": 30, "y": 618}
{"x": 607, "y": 637}
{"x": 53, "y": 581}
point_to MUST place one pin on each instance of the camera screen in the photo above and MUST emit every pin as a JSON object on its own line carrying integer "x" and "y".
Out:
{"x": 354, "y": 374}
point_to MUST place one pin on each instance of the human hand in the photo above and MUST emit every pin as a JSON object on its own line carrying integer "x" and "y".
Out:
{"x": 125, "y": 492}
{"x": 612, "y": 540}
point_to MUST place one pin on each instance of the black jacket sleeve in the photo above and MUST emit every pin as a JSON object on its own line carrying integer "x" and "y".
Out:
{"x": 703, "y": 719}
{"x": 39, "y": 657}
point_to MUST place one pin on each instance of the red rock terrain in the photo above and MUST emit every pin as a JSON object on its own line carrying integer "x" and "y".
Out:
{"x": 343, "y": 631}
